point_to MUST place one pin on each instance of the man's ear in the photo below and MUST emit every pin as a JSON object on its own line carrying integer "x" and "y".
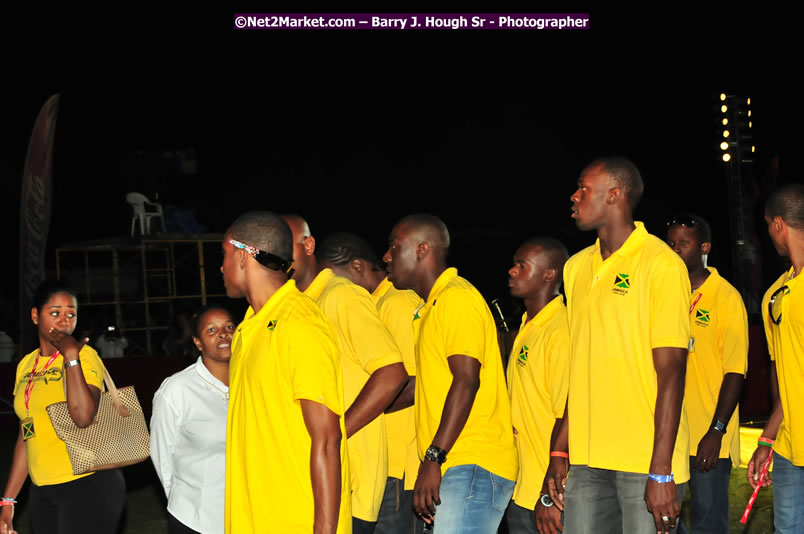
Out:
{"x": 309, "y": 245}
{"x": 422, "y": 250}
{"x": 550, "y": 274}
{"x": 357, "y": 266}
{"x": 706, "y": 247}
{"x": 35, "y": 315}
{"x": 614, "y": 195}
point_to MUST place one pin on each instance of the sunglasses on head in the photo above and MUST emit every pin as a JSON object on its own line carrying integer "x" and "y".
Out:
{"x": 266, "y": 259}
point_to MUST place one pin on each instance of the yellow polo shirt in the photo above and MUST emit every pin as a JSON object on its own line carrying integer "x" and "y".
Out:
{"x": 719, "y": 333}
{"x": 396, "y": 309}
{"x": 619, "y": 310}
{"x": 365, "y": 345}
{"x": 538, "y": 378}
{"x": 766, "y": 321}
{"x": 456, "y": 320}
{"x": 48, "y": 461}
{"x": 788, "y": 348}
{"x": 285, "y": 353}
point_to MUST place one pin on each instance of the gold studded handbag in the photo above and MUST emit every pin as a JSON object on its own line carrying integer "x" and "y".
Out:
{"x": 117, "y": 437}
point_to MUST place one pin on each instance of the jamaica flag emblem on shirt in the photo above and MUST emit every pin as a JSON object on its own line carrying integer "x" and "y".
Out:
{"x": 702, "y": 317}
{"x": 271, "y": 325}
{"x": 622, "y": 283}
{"x": 523, "y": 355}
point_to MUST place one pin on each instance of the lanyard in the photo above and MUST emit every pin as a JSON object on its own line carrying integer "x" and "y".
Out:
{"x": 694, "y": 302}
{"x": 29, "y": 387}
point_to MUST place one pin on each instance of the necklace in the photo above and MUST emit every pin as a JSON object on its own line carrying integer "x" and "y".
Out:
{"x": 225, "y": 393}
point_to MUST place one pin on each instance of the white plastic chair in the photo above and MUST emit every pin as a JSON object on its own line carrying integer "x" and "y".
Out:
{"x": 140, "y": 204}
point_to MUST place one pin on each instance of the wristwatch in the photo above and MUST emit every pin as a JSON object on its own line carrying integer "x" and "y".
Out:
{"x": 720, "y": 426}
{"x": 546, "y": 501}
{"x": 435, "y": 454}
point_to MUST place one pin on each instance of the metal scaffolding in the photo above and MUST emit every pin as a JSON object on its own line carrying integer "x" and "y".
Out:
{"x": 142, "y": 285}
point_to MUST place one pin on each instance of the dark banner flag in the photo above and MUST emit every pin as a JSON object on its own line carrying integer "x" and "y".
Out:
{"x": 35, "y": 214}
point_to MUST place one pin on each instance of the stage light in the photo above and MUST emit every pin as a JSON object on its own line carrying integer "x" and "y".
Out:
{"x": 724, "y": 145}
{"x": 749, "y": 112}
{"x": 725, "y": 121}
{"x": 725, "y": 133}
{"x": 750, "y": 124}
{"x": 748, "y": 101}
{"x": 722, "y": 96}
{"x": 753, "y": 149}
{"x": 726, "y": 156}
{"x": 724, "y": 108}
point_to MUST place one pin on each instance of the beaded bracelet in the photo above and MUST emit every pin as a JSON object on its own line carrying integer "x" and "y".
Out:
{"x": 7, "y": 501}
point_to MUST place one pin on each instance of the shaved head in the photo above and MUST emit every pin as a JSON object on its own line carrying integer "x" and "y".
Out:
{"x": 264, "y": 230}
{"x": 554, "y": 251}
{"x": 298, "y": 226}
{"x": 787, "y": 202}
{"x": 625, "y": 174}
{"x": 428, "y": 229}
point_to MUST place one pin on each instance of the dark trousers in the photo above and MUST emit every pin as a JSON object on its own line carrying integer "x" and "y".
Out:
{"x": 90, "y": 504}
{"x": 177, "y": 527}
{"x": 709, "y": 499}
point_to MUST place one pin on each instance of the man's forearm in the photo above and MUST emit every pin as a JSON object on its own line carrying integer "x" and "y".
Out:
{"x": 325, "y": 474}
{"x": 377, "y": 394}
{"x": 457, "y": 405}
{"x": 406, "y": 397}
{"x": 671, "y": 365}
{"x": 728, "y": 397}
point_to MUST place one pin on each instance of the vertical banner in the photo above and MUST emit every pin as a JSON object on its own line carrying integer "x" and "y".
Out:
{"x": 35, "y": 214}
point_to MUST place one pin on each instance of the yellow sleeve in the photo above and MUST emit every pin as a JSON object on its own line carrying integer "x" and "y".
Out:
{"x": 397, "y": 315}
{"x": 558, "y": 378}
{"x": 314, "y": 363}
{"x": 464, "y": 326}
{"x": 669, "y": 303}
{"x": 92, "y": 367}
{"x": 361, "y": 326}
{"x": 734, "y": 338}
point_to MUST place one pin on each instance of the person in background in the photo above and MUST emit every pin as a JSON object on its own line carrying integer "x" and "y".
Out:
{"x": 60, "y": 501}
{"x": 188, "y": 429}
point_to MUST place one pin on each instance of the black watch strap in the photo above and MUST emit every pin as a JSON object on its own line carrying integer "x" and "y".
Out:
{"x": 435, "y": 454}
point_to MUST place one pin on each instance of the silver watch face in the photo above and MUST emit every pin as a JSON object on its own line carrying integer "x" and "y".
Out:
{"x": 547, "y": 502}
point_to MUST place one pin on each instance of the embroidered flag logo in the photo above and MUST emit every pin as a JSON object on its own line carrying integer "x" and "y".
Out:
{"x": 271, "y": 325}
{"x": 702, "y": 316}
{"x": 622, "y": 281}
{"x": 523, "y": 354}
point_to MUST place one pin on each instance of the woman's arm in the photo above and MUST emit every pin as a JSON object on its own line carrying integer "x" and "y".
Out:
{"x": 16, "y": 478}
{"x": 82, "y": 399}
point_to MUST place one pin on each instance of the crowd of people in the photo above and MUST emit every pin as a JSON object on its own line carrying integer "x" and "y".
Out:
{"x": 368, "y": 395}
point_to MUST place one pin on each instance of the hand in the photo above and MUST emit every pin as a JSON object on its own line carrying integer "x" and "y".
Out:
{"x": 548, "y": 519}
{"x": 5, "y": 520}
{"x": 755, "y": 466}
{"x": 662, "y": 501}
{"x": 425, "y": 492}
{"x": 708, "y": 451}
{"x": 65, "y": 343}
{"x": 555, "y": 480}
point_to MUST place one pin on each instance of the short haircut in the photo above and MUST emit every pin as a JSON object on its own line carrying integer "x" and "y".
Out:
{"x": 787, "y": 202}
{"x": 432, "y": 230}
{"x": 694, "y": 222}
{"x": 626, "y": 174}
{"x": 195, "y": 320}
{"x": 47, "y": 289}
{"x": 264, "y": 230}
{"x": 553, "y": 249}
{"x": 341, "y": 248}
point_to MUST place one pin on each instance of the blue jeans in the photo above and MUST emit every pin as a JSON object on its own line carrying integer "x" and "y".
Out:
{"x": 709, "y": 499}
{"x": 473, "y": 501}
{"x": 600, "y": 501}
{"x": 788, "y": 496}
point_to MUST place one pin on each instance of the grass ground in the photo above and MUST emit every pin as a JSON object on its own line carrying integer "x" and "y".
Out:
{"x": 145, "y": 502}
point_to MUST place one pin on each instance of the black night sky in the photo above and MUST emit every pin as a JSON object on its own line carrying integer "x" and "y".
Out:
{"x": 354, "y": 129}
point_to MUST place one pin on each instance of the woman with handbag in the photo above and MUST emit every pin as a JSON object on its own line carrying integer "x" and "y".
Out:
{"x": 60, "y": 369}
{"x": 188, "y": 429}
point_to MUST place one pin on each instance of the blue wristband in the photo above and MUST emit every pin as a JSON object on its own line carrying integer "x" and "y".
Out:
{"x": 661, "y": 479}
